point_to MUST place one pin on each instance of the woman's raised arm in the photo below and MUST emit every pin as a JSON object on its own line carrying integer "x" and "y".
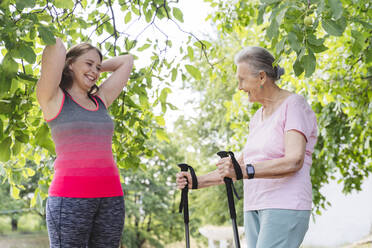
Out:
{"x": 52, "y": 63}
{"x": 120, "y": 66}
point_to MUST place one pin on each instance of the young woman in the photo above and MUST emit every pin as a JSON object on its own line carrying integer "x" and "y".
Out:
{"x": 276, "y": 158}
{"x": 85, "y": 207}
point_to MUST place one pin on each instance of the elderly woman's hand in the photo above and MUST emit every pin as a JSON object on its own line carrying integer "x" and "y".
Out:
{"x": 181, "y": 180}
{"x": 226, "y": 168}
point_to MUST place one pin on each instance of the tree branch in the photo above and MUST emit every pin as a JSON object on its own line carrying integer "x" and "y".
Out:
{"x": 203, "y": 46}
{"x": 114, "y": 25}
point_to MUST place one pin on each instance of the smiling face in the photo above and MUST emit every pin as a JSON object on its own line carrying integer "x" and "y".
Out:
{"x": 249, "y": 81}
{"x": 86, "y": 69}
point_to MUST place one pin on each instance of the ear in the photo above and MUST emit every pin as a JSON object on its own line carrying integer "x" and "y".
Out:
{"x": 262, "y": 75}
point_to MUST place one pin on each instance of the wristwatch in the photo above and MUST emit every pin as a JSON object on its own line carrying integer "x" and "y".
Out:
{"x": 250, "y": 171}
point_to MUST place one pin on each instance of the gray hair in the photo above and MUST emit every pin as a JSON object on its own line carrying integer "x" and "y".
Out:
{"x": 260, "y": 60}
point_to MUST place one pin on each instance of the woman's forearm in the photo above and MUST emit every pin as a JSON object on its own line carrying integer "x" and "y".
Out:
{"x": 210, "y": 179}
{"x": 275, "y": 168}
{"x": 112, "y": 64}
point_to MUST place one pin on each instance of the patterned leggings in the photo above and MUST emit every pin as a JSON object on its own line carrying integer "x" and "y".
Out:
{"x": 85, "y": 222}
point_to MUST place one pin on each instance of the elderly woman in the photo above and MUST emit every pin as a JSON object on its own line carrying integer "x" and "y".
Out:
{"x": 275, "y": 160}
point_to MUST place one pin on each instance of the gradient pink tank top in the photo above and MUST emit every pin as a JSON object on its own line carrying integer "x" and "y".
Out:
{"x": 84, "y": 166}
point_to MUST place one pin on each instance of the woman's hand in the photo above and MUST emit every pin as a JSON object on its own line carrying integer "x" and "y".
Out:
{"x": 226, "y": 168}
{"x": 181, "y": 180}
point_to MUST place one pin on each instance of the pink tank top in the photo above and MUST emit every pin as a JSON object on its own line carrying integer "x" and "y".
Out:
{"x": 84, "y": 166}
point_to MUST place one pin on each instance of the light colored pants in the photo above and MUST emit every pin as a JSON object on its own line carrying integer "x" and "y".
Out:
{"x": 275, "y": 228}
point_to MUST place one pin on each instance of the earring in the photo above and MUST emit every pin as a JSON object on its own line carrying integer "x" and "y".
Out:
{"x": 261, "y": 86}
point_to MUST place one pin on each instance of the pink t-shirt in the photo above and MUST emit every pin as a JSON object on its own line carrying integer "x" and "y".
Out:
{"x": 266, "y": 142}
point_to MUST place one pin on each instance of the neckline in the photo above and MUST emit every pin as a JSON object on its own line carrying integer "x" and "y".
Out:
{"x": 276, "y": 110}
{"x": 92, "y": 110}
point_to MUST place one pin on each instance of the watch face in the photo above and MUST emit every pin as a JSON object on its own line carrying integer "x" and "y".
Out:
{"x": 250, "y": 171}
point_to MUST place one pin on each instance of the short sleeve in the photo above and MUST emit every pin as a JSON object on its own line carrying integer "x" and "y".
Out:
{"x": 300, "y": 117}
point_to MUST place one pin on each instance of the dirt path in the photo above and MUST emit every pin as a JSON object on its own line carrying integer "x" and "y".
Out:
{"x": 24, "y": 241}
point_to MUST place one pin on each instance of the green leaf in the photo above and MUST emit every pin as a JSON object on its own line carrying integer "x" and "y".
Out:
{"x": 5, "y": 85}
{"x": 64, "y": 4}
{"x": 161, "y": 135}
{"x": 298, "y": 68}
{"x": 130, "y": 44}
{"x": 148, "y": 15}
{"x": 1, "y": 129}
{"x": 128, "y": 17}
{"x": 358, "y": 36}
{"x": 261, "y": 12}
{"x": 336, "y": 8}
{"x": 317, "y": 49}
{"x": 177, "y": 13}
{"x": 14, "y": 192}
{"x": 190, "y": 53}
{"x": 42, "y": 138}
{"x": 280, "y": 16}
{"x": 9, "y": 65}
{"x": 28, "y": 54}
{"x": 22, "y": 137}
{"x": 144, "y": 47}
{"x": 5, "y": 149}
{"x": 16, "y": 148}
{"x": 270, "y": 1}
{"x": 135, "y": 10}
{"x": 293, "y": 42}
{"x": 368, "y": 54}
{"x": 109, "y": 28}
{"x": 160, "y": 120}
{"x": 164, "y": 94}
{"x": 30, "y": 172}
{"x": 46, "y": 35}
{"x": 280, "y": 46}
{"x": 313, "y": 40}
{"x": 332, "y": 27}
{"x": 365, "y": 24}
{"x": 144, "y": 101}
{"x": 272, "y": 30}
{"x": 174, "y": 74}
{"x": 309, "y": 61}
{"x": 193, "y": 71}
{"x": 39, "y": 203}
{"x": 21, "y": 4}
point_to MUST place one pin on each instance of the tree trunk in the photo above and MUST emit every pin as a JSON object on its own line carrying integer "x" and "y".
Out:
{"x": 14, "y": 224}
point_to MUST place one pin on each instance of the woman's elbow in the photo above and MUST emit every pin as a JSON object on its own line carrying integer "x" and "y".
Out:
{"x": 129, "y": 59}
{"x": 296, "y": 162}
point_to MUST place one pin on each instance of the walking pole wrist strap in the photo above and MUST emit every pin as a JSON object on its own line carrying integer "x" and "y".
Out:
{"x": 237, "y": 169}
{"x": 238, "y": 172}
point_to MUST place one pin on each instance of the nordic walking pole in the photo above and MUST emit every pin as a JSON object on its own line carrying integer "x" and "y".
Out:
{"x": 184, "y": 204}
{"x": 230, "y": 198}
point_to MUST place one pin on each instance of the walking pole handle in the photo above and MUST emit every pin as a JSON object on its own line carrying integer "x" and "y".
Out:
{"x": 228, "y": 183}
